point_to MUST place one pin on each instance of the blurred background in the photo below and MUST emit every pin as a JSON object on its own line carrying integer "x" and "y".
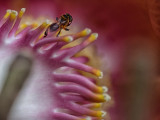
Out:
{"x": 128, "y": 46}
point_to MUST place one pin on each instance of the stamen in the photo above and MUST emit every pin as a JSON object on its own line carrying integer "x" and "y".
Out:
{"x": 93, "y": 105}
{"x": 91, "y": 38}
{"x": 68, "y": 39}
{"x": 82, "y": 91}
{"x": 50, "y": 40}
{"x": 83, "y": 33}
{"x": 24, "y": 25}
{"x": 100, "y": 114}
{"x": 34, "y": 25}
{"x": 8, "y": 12}
{"x": 33, "y": 35}
{"x": 99, "y": 89}
{"x": 13, "y": 31}
{"x": 6, "y": 27}
{"x": 98, "y": 73}
{"x": 84, "y": 111}
{"x": 81, "y": 66}
{"x": 23, "y": 32}
{"x": 69, "y": 52}
{"x": 13, "y": 15}
{"x": 22, "y": 12}
{"x": 100, "y": 98}
{"x": 82, "y": 59}
{"x": 75, "y": 98}
{"x": 44, "y": 24}
{"x": 73, "y": 78}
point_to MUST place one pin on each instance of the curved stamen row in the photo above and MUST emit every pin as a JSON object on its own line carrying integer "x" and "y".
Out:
{"x": 83, "y": 97}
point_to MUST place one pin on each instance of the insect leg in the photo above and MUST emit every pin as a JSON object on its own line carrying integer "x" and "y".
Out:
{"x": 59, "y": 32}
{"x": 46, "y": 32}
{"x": 66, "y": 29}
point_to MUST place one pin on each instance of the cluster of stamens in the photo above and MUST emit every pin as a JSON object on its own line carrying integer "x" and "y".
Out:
{"x": 76, "y": 97}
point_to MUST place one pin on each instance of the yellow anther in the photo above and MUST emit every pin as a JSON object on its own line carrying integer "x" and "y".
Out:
{"x": 100, "y": 98}
{"x": 92, "y": 37}
{"x": 21, "y": 12}
{"x": 13, "y": 15}
{"x": 98, "y": 73}
{"x": 85, "y": 32}
{"x": 98, "y": 114}
{"x": 23, "y": 25}
{"x": 97, "y": 105}
{"x": 44, "y": 24}
{"x": 34, "y": 25}
{"x": 68, "y": 39}
{"x": 99, "y": 89}
{"x": 8, "y": 12}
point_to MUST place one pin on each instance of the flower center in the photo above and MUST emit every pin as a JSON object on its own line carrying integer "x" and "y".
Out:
{"x": 73, "y": 96}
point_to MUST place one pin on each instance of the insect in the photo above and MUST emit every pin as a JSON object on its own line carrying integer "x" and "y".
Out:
{"x": 61, "y": 23}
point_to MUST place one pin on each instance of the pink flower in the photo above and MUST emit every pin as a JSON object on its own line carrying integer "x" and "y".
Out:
{"x": 54, "y": 89}
{"x": 128, "y": 47}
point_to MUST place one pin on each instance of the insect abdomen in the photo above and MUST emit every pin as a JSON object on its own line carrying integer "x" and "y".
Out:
{"x": 54, "y": 27}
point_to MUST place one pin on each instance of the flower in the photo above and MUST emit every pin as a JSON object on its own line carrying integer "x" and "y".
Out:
{"x": 128, "y": 45}
{"x": 54, "y": 89}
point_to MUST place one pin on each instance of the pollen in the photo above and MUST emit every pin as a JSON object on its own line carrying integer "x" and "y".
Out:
{"x": 107, "y": 97}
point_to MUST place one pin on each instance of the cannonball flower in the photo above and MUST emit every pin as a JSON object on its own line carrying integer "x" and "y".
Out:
{"x": 54, "y": 86}
{"x": 127, "y": 48}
